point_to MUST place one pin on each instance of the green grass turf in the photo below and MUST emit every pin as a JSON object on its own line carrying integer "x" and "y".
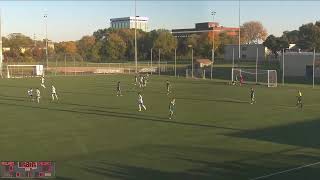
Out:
{"x": 216, "y": 134}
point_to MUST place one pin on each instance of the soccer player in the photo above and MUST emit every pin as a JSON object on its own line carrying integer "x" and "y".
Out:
{"x": 38, "y": 95}
{"x": 54, "y": 93}
{"x": 252, "y": 95}
{"x": 144, "y": 81}
{"x": 141, "y": 81}
{"x": 42, "y": 82}
{"x": 241, "y": 80}
{"x": 168, "y": 87}
{"x": 172, "y": 106}
{"x": 30, "y": 93}
{"x": 135, "y": 80}
{"x": 140, "y": 102}
{"x": 299, "y": 99}
{"x": 118, "y": 89}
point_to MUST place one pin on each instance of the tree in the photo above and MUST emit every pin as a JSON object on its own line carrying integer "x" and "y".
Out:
{"x": 165, "y": 41}
{"x": 291, "y": 36}
{"x": 114, "y": 47}
{"x": 85, "y": 45}
{"x": 309, "y": 37}
{"x": 253, "y": 32}
{"x": 68, "y": 47}
{"x": 275, "y": 44}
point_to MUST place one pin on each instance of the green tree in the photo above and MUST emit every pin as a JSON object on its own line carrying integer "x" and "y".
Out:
{"x": 85, "y": 45}
{"x": 275, "y": 44}
{"x": 114, "y": 47}
{"x": 165, "y": 41}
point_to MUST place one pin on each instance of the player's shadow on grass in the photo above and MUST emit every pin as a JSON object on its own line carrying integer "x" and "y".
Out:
{"x": 303, "y": 134}
{"x": 122, "y": 115}
{"x": 214, "y": 100}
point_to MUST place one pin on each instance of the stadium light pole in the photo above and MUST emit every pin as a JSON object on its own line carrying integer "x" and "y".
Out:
{"x": 1, "y": 55}
{"x": 46, "y": 27}
{"x": 239, "y": 33}
{"x": 135, "y": 36}
{"x": 213, "y": 13}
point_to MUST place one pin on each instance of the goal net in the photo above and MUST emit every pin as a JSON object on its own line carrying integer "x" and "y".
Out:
{"x": 20, "y": 71}
{"x": 264, "y": 77}
{"x": 196, "y": 73}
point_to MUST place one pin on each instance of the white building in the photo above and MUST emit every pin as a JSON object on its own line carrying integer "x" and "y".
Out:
{"x": 129, "y": 23}
{"x": 248, "y": 52}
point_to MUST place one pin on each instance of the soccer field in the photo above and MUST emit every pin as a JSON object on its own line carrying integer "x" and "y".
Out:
{"x": 216, "y": 134}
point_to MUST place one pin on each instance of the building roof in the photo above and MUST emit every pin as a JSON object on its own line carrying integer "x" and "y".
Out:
{"x": 140, "y": 18}
{"x": 204, "y": 61}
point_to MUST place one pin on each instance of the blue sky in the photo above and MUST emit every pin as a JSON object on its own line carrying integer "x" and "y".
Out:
{"x": 70, "y": 20}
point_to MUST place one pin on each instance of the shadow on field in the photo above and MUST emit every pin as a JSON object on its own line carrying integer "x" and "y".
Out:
{"x": 193, "y": 163}
{"x": 62, "y": 178}
{"x": 215, "y": 100}
{"x": 107, "y": 113}
{"x": 303, "y": 134}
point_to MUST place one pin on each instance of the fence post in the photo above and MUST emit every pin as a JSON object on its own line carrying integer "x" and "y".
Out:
{"x": 159, "y": 62}
{"x": 65, "y": 64}
{"x": 175, "y": 62}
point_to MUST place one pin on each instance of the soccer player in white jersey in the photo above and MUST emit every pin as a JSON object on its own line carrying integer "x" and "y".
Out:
{"x": 140, "y": 102}
{"x": 42, "y": 82}
{"x": 38, "y": 95}
{"x": 141, "y": 81}
{"x": 30, "y": 94}
{"x": 54, "y": 93}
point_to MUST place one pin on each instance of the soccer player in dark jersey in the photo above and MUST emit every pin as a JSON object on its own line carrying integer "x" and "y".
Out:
{"x": 118, "y": 89}
{"x": 168, "y": 87}
{"x": 252, "y": 96}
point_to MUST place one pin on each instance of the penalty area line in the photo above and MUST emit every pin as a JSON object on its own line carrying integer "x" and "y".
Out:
{"x": 285, "y": 171}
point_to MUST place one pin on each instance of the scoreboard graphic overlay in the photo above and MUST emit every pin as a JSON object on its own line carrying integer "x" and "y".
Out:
{"x": 27, "y": 169}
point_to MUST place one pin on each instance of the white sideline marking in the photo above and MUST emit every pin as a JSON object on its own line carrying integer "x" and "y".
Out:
{"x": 289, "y": 170}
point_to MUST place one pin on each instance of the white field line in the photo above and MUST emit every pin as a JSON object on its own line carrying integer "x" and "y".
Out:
{"x": 286, "y": 171}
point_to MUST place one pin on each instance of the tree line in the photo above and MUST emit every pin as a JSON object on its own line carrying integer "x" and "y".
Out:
{"x": 117, "y": 45}
{"x": 306, "y": 38}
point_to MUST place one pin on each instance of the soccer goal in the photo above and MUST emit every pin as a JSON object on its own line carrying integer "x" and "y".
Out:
{"x": 20, "y": 71}
{"x": 264, "y": 77}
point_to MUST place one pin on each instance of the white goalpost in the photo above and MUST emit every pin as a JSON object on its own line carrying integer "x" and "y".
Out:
{"x": 21, "y": 71}
{"x": 251, "y": 76}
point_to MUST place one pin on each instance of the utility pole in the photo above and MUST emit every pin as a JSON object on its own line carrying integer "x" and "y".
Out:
{"x": 239, "y": 33}
{"x": 46, "y": 25}
{"x": 213, "y": 13}
{"x": 135, "y": 36}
